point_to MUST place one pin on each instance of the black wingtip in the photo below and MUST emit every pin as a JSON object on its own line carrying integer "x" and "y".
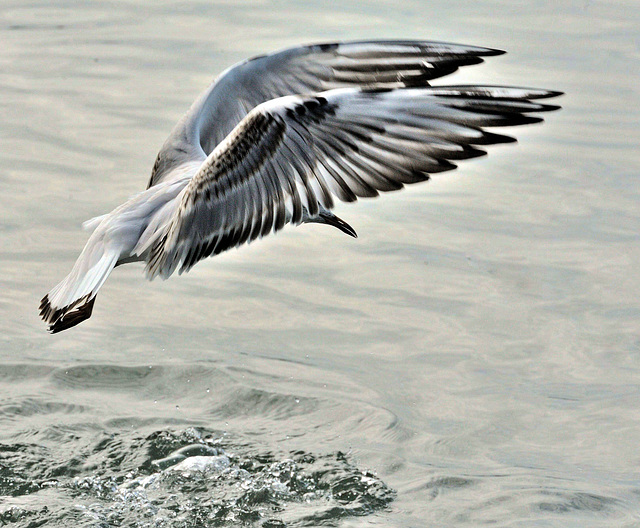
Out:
{"x": 60, "y": 319}
{"x": 543, "y": 94}
{"x": 491, "y": 138}
{"x": 493, "y": 52}
{"x": 552, "y": 93}
{"x": 479, "y": 51}
{"x": 547, "y": 108}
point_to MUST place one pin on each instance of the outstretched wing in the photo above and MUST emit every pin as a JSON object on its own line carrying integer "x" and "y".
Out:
{"x": 303, "y": 70}
{"x": 290, "y": 156}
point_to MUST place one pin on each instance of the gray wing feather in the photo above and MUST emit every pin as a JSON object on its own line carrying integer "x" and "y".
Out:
{"x": 287, "y": 159}
{"x": 302, "y": 70}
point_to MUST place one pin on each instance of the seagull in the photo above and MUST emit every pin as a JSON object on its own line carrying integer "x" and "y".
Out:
{"x": 277, "y": 138}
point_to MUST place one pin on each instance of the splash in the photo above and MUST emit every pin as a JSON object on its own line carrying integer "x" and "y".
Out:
{"x": 193, "y": 478}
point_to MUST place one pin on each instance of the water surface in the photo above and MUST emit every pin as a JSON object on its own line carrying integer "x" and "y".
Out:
{"x": 472, "y": 358}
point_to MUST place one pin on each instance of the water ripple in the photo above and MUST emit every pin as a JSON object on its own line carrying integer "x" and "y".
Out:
{"x": 104, "y": 376}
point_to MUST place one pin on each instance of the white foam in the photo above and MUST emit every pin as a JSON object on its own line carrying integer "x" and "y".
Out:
{"x": 202, "y": 463}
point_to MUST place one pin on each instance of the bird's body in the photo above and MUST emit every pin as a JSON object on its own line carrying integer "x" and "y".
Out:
{"x": 274, "y": 139}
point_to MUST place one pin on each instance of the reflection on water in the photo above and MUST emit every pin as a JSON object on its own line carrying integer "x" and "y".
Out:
{"x": 474, "y": 354}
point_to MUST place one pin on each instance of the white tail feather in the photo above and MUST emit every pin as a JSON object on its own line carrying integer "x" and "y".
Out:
{"x": 71, "y": 301}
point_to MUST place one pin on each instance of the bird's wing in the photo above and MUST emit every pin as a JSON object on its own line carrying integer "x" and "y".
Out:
{"x": 290, "y": 156}
{"x": 304, "y": 70}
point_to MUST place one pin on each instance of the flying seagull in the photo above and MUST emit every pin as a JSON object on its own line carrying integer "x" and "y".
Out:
{"x": 276, "y": 139}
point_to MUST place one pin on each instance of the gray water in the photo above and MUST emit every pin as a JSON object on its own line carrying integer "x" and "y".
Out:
{"x": 473, "y": 358}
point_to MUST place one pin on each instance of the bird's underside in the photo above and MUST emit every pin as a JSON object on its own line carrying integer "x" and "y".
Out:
{"x": 276, "y": 139}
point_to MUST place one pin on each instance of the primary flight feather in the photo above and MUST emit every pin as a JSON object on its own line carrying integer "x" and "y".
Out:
{"x": 275, "y": 139}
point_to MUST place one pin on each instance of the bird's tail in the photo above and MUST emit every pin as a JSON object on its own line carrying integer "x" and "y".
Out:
{"x": 71, "y": 301}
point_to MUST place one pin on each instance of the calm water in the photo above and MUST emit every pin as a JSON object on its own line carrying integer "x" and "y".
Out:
{"x": 472, "y": 359}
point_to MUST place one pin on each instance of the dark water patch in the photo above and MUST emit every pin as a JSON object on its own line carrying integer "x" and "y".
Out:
{"x": 192, "y": 477}
{"x": 14, "y": 515}
{"x": 105, "y": 376}
{"x": 569, "y": 502}
{"x": 443, "y": 484}
{"x": 20, "y": 466}
{"x": 23, "y": 371}
{"x": 32, "y": 27}
{"x": 449, "y": 483}
{"x": 34, "y": 406}
{"x": 255, "y": 402}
